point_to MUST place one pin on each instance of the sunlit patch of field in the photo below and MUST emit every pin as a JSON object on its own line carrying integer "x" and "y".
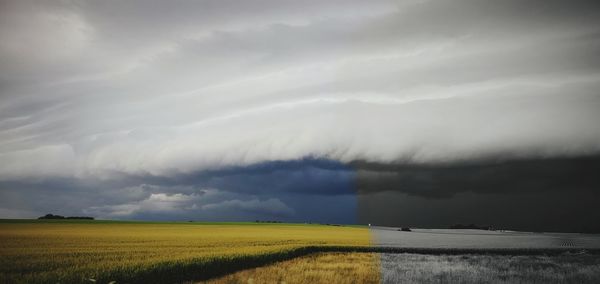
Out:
{"x": 473, "y": 268}
{"x": 74, "y": 252}
{"x": 317, "y": 268}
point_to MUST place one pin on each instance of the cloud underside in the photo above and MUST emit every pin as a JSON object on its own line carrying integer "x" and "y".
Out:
{"x": 514, "y": 177}
{"x": 177, "y": 206}
{"x": 299, "y": 191}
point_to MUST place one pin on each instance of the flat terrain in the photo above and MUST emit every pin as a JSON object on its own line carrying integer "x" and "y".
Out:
{"x": 325, "y": 268}
{"x": 481, "y": 239}
{"x": 418, "y": 268}
{"x": 74, "y": 251}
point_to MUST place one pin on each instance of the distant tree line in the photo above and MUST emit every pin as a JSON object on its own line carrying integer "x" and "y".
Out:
{"x": 52, "y": 216}
{"x": 267, "y": 221}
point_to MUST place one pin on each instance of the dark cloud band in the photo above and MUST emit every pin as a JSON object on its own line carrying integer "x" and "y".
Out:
{"x": 495, "y": 177}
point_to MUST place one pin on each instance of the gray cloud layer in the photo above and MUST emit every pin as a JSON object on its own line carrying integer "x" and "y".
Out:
{"x": 92, "y": 88}
{"x": 106, "y": 90}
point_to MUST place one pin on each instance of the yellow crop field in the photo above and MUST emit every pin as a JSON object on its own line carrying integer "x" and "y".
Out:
{"x": 320, "y": 268}
{"x": 88, "y": 251}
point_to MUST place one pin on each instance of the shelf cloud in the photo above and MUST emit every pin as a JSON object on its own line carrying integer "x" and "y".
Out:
{"x": 101, "y": 96}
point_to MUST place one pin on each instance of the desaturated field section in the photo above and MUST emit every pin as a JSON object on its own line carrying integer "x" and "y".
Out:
{"x": 77, "y": 251}
{"x": 481, "y": 239}
{"x": 325, "y": 268}
{"x": 481, "y": 268}
{"x": 479, "y": 256}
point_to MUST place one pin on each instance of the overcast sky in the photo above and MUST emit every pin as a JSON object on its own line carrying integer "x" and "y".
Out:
{"x": 269, "y": 109}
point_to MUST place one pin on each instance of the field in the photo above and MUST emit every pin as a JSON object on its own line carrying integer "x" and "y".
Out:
{"x": 74, "y": 251}
{"x": 77, "y": 251}
{"x": 418, "y": 268}
{"x": 481, "y": 239}
{"x": 325, "y": 268}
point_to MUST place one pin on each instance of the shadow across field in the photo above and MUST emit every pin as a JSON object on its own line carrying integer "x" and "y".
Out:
{"x": 174, "y": 272}
{"x": 316, "y": 268}
{"x": 205, "y": 269}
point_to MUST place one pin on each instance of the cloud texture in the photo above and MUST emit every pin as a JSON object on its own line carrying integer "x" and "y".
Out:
{"x": 108, "y": 95}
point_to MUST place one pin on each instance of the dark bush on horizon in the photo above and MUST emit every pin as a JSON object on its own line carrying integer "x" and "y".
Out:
{"x": 52, "y": 216}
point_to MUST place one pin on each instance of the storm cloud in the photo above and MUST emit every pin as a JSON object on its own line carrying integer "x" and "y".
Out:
{"x": 487, "y": 176}
{"x": 270, "y": 104}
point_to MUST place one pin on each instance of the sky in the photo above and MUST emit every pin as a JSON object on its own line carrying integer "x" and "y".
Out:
{"x": 421, "y": 113}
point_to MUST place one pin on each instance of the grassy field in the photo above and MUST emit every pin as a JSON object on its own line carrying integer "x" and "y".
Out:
{"x": 76, "y": 251}
{"x": 325, "y": 268}
{"x": 473, "y": 268}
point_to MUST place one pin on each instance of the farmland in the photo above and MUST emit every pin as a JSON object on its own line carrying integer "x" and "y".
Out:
{"x": 80, "y": 251}
{"x": 317, "y": 268}
{"x": 482, "y": 239}
{"x": 77, "y": 251}
{"x": 424, "y": 268}
{"x": 473, "y": 268}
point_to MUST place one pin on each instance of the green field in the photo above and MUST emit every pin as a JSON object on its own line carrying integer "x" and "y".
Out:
{"x": 77, "y": 251}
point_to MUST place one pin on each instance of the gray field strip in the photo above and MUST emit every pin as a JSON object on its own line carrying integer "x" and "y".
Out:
{"x": 485, "y": 268}
{"x": 390, "y": 237}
